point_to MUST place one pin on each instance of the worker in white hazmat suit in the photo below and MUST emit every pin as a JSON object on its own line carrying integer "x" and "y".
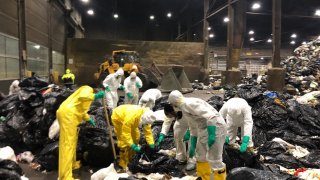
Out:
{"x": 238, "y": 113}
{"x": 132, "y": 84}
{"x": 181, "y": 134}
{"x": 111, "y": 83}
{"x": 208, "y": 132}
{"x": 14, "y": 87}
{"x": 148, "y": 98}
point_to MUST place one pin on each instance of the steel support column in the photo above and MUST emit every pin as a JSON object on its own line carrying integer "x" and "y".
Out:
{"x": 22, "y": 37}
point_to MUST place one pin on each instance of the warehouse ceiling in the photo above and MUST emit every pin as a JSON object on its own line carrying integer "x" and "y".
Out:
{"x": 134, "y": 22}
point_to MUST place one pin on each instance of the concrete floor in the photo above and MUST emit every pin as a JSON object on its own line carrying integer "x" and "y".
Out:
{"x": 85, "y": 171}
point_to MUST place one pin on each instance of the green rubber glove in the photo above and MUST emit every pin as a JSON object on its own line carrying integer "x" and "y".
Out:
{"x": 160, "y": 139}
{"x": 244, "y": 145}
{"x": 192, "y": 149}
{"x": 138, "y": 85}
{"x": 151, "y": 146}
{"x": 186, "y": 136}
{"x": 108, "y": 89}
{"x": 227, "y": 141}
{"x": 99, "y": 95}
{"x": 91, "y": 122}
{"x": 211, "y": 135}
{"x": 135, "y": 148}
{"x": 130, "y": 95}
{"x": 121, "y": 88}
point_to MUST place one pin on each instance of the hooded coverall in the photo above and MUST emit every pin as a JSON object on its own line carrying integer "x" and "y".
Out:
{"x": 148, "y": 98}
{"x": 130, "y": 85}
{"x": 70, "y": 114}
{"x": 238, "y": 113}
{"x": 113, "y": 81}
{"x": 126, "y": 120}
{"x": 14, "y": 87}
{"x": 200, "y": 116}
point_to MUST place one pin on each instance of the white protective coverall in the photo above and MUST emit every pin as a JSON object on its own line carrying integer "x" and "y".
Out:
{"x": 179, "y": 129}
{"x": 238, "y": 113}
{"x": 14, "y": 87}
{"x": 200, "y": 115}
{"x": 148, "y": 98}
{"x": 113, "y": 81}
{"x": 130, "y": 85}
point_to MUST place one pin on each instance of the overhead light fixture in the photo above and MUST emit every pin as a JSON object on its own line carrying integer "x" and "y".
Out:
{"x": 116, "y": 15}
{"x": 151, "y": 17}
{"x": 304, "y": 42}
{"x": 37, "y": 46}
{"x": 226, "y": 19}
{"x": 251, "y": 32}
{"x": 262, "y": 58}
{"x": 85, "y": 1}
{"x": 269, "y": 40}
{"x": 211, "y": 35}
{"x": 209, "y": 28}
{"x": 53, "y": 52}
{"x": 194, "y": 34}
{"x": 318, "y": 37}
{"x": 90, "y": 12}
{"x": 292, "y": 42}
{"x": 252, "y": 39}
{"x": 317, "y": 13}
{"x": 294, "y": 35}
{"x": 256, "y": 6}
{"x": 169, "y": 15}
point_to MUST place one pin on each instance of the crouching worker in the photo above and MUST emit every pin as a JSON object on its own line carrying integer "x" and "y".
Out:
{"x": 126, "y": 120}
{"x": 181, "y": 135}
{"x": 208, "y": 132}
{"x": 238, "y": 113}
{"x": 70, "y": 114}
{"x": 148, "y": 98}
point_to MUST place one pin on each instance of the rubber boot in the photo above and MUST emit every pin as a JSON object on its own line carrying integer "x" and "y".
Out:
{"x": 204, "y": 170}
{"x": 220, "y": 174}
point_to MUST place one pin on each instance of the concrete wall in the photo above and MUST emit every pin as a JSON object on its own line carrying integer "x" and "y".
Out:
{"x": 87, "y": 54}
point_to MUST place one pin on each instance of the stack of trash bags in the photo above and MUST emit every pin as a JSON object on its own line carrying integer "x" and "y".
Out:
{"x": 29, "y": 125}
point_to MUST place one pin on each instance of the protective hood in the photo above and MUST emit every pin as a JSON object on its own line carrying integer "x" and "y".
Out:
{"x": 68, "y": 71}
{"x": 176, "y": 98}
{"x": 120, "y": 72}
{"x": 147, "y": 117}
{"x": 234, "y": 110}
{"x": 133, "y": 75}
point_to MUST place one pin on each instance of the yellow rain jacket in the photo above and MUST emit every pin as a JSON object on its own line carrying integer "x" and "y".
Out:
{"x": 68, "y": 76}
{"x": 70, "y": 114}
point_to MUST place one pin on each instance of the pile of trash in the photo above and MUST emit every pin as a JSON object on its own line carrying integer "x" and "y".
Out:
{"x": 9, "y": 168}
{"x": 30, "y": 127}
{"x": 303, "y": 68}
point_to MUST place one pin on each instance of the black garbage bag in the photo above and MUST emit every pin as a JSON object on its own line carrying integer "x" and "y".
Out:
{"x": 33, "y": 81}
{"x": 18, "y": 121}
{"x": 311, "y": 142}
{"x": 9, "y": 136}
{"x": 249, "y": 92}
{"x": 95, "y": 143}
{"x": 49, "y": 157}
{"x": 244, "y": 173}
{"x": 30, "y": 98}
{"x": 258, "y": 136}
{"x": 10, "y": 170}
{"x": 216, "y": 102}
{"x": 312, "y": 160}
{"x": 287, "y": 161}
{"x": 8, "y": 104}
{"x": 272, "y": 148}
{"x": 159, "y": 104}
{"x": 168, "y": 142}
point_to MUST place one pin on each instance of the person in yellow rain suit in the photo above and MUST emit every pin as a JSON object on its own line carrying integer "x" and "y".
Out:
{"x": 68, "y": 79}
{"x": 126, "y": 120}
{"x": 70, "y": 114}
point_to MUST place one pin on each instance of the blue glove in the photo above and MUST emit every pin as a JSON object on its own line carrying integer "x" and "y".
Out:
{"x": 211, "y": 135}
{"x": 186, "y": 136}
{"x": 99, "y": 95}
{"x": 91, "y": 122}
{"x": 130, "y": 95}
{"x": 192, "y": 149}
{"x": 160, "y": 139}
{"x": 108, "y": 89}
{"x": 138, "y": 85}
{"x": 244, "y": 145}
{"x": 135, "y": 148}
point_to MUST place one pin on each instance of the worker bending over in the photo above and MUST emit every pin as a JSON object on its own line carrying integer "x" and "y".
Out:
{"x": 126, "y": 120}
{"x": 14, "y": 87}
{"x": 208, "y": 132}
{"x": 237, "y": 112}
{"x": 181, "y": 134}
{"x": 111, "y": 83}
{"x": 68, "y": 79}
{"x": 132, "y": 84}
{"x": 70, "y": 114}
{"x": 148, "y": 98}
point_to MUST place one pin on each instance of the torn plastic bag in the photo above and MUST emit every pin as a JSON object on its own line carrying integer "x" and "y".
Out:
{"x": 312, "y": 160}
{"x": 272, "y": 148}
{"x": 10, "y": 170}
{"x": 244, "y": 173}
{"x": 33, "y": 81}
{"x": 216, "y": 102}
{"x": 287, "y": 161}
{"x": 48, "y": 157}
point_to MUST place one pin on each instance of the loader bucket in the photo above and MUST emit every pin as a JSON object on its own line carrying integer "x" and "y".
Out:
{"x": 175, "y": 79}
